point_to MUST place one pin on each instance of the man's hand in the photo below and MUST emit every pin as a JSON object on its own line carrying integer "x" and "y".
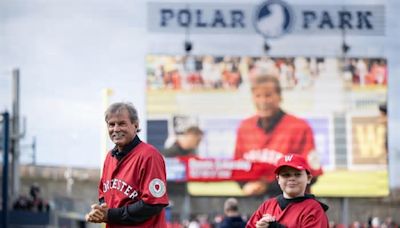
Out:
{"x": 98, "y": 214}
{"x": 265, "y": 221}
{"x": 255, "y": 187}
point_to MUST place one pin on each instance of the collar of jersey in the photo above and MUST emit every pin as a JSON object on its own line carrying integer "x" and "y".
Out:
{"x": 283, "y": 202}
{"x": 128, "y": 148}
{"x": 274, "y": 121}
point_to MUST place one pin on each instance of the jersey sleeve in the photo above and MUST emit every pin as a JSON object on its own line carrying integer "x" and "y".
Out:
{"x": 100, "y": 187}
{"x": 257, "y": 215}
{"x": 153, "y": 179}
{"x": 315, "y": 217}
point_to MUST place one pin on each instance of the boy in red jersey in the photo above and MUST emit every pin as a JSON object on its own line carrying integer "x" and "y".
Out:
{"x": 294, "y": 208}
{"x": 271, "y": 133}
{"x": 132, "y": 188}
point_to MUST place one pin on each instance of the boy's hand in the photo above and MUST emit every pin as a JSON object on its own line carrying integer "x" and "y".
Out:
{"x": 265, "y": 221}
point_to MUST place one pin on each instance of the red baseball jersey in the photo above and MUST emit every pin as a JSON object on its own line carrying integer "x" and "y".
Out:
{"x": 290, "y": 135}
{"x": 140, "y": 175}
{"x": 305, "y": 214}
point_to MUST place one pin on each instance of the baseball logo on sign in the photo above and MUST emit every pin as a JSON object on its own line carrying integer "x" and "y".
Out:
{"x": 273, "y": 18}
{"x": 157, "y": 188}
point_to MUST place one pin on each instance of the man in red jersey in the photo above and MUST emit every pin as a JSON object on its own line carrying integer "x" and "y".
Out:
{"x": 272, "y": 133}
{"x": 132, "y": 188}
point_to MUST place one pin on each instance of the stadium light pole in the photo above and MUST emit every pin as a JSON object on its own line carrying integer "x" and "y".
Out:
{"x": 106, "y": 93}
{"x": 5, "y": 120}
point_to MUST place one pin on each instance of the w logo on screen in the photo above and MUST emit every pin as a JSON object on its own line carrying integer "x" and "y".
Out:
{"x": 288, "y": 158}
{"x": 273, "y": 18}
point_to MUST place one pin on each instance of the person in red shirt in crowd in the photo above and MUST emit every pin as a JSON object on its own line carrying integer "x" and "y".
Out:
{"x": 132, "y": 188}
{"x": 294, "y": 208}
{"x": 272, "y": 133}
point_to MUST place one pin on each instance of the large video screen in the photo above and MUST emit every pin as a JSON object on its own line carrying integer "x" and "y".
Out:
{"x": 338, "y": 99}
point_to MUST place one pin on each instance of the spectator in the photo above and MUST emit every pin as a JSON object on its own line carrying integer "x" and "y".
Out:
{"x": 375, "y": 222}
{"x": 232, "y": 217}
{"x": 194, "y": 223}
{"x": 32, "y": 203}
{"x": 389, "y": 223}
{"x": 186, "y": 144}
{"x": 355, "y": 224}
{"x": 38, "y": 204}
{"x": 23, "y": 203}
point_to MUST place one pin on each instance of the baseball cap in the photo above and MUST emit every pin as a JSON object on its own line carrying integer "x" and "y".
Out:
{"x": 294, "y": 161}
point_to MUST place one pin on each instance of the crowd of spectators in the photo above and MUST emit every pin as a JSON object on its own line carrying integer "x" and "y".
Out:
{"x": 364, "y": 72}
{"x": 208, "y": 72}
{"x": 32, "y": 202}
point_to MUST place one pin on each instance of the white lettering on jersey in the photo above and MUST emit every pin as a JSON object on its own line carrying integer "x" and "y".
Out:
{"x": 120, "y": 185}
{"x": 123, "y": 186}
{"x": 106, "y": 186}
{"x": 263, "y": 155}
{"x": 114, "y": 185}
{"x": 128, "y": 189}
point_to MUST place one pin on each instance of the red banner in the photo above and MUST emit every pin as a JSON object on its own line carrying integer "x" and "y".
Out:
{"x": 225, "y": 169}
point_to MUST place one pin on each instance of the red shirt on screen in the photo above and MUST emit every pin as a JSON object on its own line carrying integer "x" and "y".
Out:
{"x": 289, "y": 135}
